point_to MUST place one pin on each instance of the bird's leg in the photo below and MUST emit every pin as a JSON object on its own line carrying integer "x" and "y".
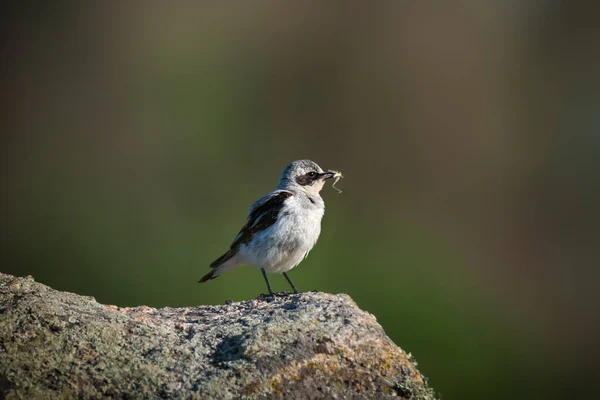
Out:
{"x": 267, "y": 280}
{"x": 291, "y": 283}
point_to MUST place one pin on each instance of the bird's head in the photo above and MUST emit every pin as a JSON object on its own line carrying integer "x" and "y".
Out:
{"x": 305, "y": 175}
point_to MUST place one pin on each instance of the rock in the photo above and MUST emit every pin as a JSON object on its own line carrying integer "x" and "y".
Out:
{"x": 311, "y": 345}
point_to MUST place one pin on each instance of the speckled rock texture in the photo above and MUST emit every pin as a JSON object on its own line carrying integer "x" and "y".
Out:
{"x": 306, "y": 346}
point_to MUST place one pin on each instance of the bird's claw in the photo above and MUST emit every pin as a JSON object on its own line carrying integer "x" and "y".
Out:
{"x": 271, "y": 296}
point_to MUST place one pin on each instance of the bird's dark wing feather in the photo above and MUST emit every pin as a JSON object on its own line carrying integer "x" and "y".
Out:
{"x": 263, "y": 214}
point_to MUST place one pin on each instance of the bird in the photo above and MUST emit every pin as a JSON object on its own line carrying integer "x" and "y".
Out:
{"x": 282, "y": 227}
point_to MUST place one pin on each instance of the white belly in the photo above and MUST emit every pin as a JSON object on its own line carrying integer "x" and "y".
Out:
{"x": 287, "y": 242}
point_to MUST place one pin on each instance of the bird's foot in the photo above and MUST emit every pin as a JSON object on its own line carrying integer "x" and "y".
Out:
{"x": 271, "y": 296}
{"x": 266, "y": 296}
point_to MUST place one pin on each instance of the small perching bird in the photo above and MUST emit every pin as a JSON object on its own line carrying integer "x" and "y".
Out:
{"x": 282, "y": 227}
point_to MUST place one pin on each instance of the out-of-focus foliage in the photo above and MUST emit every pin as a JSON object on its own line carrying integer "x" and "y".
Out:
{"x": 134, "y": 137}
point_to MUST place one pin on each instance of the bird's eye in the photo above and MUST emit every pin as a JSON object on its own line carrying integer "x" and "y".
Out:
{"x": 312, "y": 174}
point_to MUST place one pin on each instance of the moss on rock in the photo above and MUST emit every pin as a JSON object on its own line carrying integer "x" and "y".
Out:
{"x": 311, "y": 345}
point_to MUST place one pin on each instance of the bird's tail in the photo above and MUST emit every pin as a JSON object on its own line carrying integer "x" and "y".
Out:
{"x": 208, "y": 277}
{"x": 220, "y": 265}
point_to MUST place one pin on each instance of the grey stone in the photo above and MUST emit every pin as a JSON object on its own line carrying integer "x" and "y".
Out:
{"x": 311, "y": 345}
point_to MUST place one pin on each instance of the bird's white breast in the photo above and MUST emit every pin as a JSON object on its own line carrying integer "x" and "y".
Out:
{"x": 285, "y": 244}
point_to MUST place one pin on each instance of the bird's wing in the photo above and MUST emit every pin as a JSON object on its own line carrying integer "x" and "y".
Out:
{"x": 263, "y": 213}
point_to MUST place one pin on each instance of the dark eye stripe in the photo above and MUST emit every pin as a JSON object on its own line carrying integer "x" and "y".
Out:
{"x": 307, "y": 179}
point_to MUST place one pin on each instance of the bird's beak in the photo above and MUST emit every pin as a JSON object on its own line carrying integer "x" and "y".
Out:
{"x": 326, "y": 175}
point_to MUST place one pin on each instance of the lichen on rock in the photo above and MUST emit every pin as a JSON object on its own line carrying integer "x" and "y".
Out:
{"x": 311, "y": 345}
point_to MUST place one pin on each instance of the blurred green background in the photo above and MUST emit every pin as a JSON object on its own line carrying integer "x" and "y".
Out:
{"x": 135, "y": 135}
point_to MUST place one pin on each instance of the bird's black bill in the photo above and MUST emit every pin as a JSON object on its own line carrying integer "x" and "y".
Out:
{"x": 326, "y": 175}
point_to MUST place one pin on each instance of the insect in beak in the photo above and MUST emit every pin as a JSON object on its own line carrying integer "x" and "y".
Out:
{"x": 336, "y": 175}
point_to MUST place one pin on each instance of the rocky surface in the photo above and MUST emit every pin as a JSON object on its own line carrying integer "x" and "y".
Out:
{"x": 312, "y": 345}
